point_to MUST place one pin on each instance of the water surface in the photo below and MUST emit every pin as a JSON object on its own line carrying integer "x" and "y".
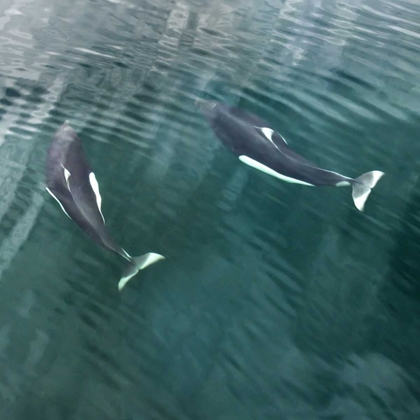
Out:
{"x": 275, "y": 301}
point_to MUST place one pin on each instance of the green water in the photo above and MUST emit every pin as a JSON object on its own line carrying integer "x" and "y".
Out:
{"x": 275, "y": 301}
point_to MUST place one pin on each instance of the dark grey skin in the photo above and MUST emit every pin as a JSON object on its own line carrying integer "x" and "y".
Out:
{"x": 256, "y": 144}
{"x": 71, "y": 181}
{"x": 76, "y": 194}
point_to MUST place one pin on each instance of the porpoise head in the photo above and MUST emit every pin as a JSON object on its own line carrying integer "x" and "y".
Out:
{"x": 65, "y": 130}
{"x": 208, "y": 108}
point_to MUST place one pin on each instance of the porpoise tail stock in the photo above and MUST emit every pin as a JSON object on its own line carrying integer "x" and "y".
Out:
{"x": 72, "y": 183}
{"x": 362, "y": 187}
{"x": 257, "y": 145}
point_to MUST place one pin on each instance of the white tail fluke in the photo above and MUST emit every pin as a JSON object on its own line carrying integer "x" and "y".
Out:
{"x": 362, "y": 187}
{"x": 135, "y": 265}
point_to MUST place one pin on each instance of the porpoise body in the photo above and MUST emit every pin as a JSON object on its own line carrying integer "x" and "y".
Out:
{"x": 259, "y": 146}
{"x": 71, "y": 181}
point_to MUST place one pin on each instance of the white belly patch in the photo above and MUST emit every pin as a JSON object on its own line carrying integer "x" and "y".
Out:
{"x": 257, "y": 165}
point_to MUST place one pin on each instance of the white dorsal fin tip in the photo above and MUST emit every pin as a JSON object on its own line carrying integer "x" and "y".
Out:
{"x": 263, "y": 168}
{"x": 95, "y": 187}
{"x": 268, "y": 132}
{"x": 67, "y": 175}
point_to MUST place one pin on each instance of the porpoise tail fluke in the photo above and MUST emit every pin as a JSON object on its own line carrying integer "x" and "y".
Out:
{"x": 135, "y": 265}
{"x": 362, "y": 187}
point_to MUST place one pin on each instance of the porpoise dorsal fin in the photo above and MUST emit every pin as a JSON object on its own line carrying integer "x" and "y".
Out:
{"x": 276, "y": 139}
{"x": 279, "y": 137}
{"x": 67, "y": 176}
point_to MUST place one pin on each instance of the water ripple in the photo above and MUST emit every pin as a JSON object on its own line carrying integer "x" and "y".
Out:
{"x": 274, "y": 301}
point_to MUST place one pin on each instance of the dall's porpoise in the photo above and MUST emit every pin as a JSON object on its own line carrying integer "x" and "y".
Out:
{"x": 71, "y": 181}
{"x": 259, "y": 146}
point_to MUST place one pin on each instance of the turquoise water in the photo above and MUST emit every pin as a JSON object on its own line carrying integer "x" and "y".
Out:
{"x": 275, "y": 301}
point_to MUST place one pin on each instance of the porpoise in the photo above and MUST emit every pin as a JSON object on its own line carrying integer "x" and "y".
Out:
{"x": 71, "y": 181}
{"x": 259, "y": 146}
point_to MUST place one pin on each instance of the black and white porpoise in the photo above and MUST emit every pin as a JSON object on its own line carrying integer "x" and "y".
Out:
{"x": 257, "y": 145}
{"x": 71, "y": 181}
